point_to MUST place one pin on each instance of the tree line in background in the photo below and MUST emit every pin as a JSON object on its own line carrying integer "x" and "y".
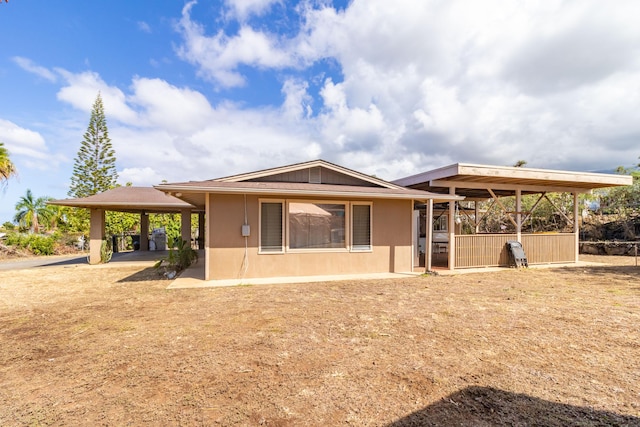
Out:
{"x": 45, "y": 229}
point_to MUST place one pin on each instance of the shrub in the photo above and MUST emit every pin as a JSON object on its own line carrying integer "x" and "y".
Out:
{"x": 36, "y": 243}
{"x": 179, "y": 259}
{"x": 42, "y": 245}
{"x": 106, "y": 251}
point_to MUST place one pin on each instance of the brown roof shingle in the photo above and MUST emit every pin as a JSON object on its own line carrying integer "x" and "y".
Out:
{"x": 128, "y": 199}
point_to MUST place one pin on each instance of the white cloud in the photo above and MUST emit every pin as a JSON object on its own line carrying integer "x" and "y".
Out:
{"x": 177, "y": 135}
{"x": 297, "y": 103}
{"x": 483, "y": 81}
{"x": 28, "y": 65}
{"x": 28, "y": 148}
{"x": 22, "y": 142}
{"x": 218, "y": 56}
{"x": 572, "y": 46}
{"x": 144, "y": 27}
{"x": 83, "y": 88}
{"x": 139, "y": 177}
{"x": 161, "y": 105}
{"x": 243, "y": 9}
{"x": 420, "y": 84}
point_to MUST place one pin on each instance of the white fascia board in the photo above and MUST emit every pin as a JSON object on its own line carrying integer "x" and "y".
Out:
{"x": 275, "y": 192}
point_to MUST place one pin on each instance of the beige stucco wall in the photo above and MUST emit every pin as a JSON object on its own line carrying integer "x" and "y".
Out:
{"x": 391, "y": 240}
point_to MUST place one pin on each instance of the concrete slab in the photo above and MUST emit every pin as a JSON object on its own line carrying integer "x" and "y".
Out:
{"x": 193, "y": 277}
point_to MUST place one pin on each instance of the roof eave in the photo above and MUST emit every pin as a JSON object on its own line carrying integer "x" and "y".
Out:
{"x": 123, "y": 206}
{"x": 591, "y": 180}
{"x": 271, "y": 191}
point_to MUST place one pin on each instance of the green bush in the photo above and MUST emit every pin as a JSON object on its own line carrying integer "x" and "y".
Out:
{"x": 179, "y": 259}
{"x": 106, "y": 251}
{"x": 36, "y": 243}
{"x": 42, "y": 245}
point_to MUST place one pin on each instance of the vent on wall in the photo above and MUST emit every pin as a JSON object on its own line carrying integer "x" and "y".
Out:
{"x": 315, "y": 175}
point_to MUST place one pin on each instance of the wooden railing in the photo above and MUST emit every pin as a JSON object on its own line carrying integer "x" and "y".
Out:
{"x": 489, "y": 250}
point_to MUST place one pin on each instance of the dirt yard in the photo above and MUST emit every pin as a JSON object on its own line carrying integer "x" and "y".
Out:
{"x": 110, "y": 345}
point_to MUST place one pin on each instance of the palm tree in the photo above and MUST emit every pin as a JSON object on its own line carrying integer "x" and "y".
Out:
{"x": 7, "y": 168}
{"x": 57, "y": 215}
{"x": 29, "y": 211}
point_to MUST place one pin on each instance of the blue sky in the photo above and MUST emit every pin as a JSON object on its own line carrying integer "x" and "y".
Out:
{"x": 199, "y": 90}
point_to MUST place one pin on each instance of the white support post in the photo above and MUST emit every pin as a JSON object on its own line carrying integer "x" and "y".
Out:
{"x": 476, "y": 221}
{"x": 519, "y": 215}
{"x": 415, "y": 238}
{"x": 452, "y": 231}
{"x": 576, "y": 226}
{"x": 428, "y": 250}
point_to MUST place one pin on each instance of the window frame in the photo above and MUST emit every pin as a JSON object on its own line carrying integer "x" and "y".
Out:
{"x": 348, "y": 225}
{"x": 347, "y": 215}
{"x": 361, "y": 248}
{"x": 282, "y": 203}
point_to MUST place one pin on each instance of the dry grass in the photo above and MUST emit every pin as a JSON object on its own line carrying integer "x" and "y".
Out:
{"x": 82, "y": 345}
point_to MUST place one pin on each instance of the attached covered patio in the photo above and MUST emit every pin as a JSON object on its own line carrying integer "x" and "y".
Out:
{"x": 479, "y": 183}
{"x": 136, "y": 200}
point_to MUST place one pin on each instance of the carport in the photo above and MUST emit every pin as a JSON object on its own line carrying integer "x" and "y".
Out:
{"x": 136, "y": 200}
{"x": 483, "y": 182}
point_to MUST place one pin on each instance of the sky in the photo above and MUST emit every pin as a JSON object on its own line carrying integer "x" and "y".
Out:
{"x": 203, "y": 89}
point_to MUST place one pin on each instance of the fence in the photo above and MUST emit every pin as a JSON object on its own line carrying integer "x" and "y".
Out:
{"x": 489, "y": 250}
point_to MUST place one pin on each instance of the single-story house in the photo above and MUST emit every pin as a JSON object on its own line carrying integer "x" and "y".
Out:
{"x": 319, "y": 218}
{"x": 306, "y": 219}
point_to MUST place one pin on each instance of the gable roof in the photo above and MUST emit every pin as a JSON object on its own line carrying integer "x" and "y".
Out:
{"x": 473, "y": 181}
{"x": 286, "y": 173}
{"x": 317, "y": 178}
{"x": 128, "y": 199}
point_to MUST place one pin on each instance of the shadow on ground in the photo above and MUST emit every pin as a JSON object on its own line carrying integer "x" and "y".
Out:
{"x": 117, "y": 257}
{"x": 82, "y": 259}
{"x": 486, "y": 406}
{"x": 149, "y": 273}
